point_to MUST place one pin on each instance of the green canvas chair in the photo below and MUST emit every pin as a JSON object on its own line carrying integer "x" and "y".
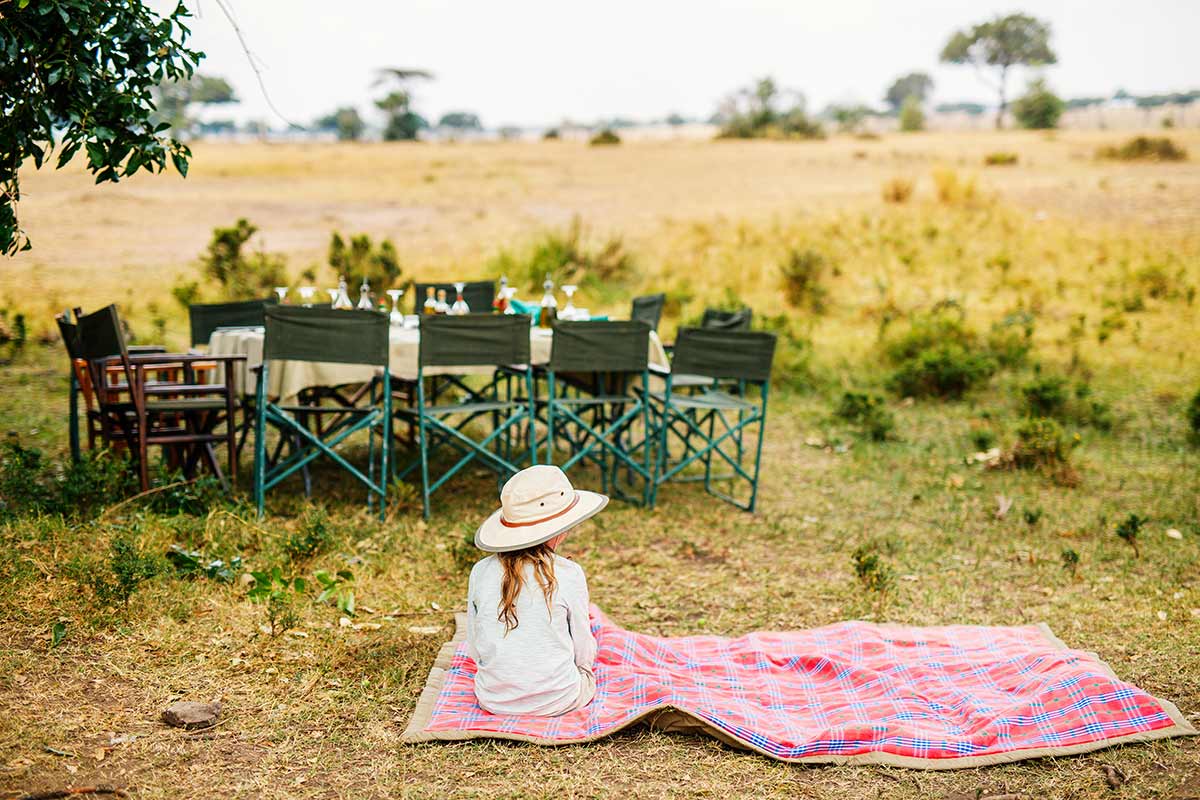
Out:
{"x": 472, "y": 340}
{"x": 692, "y": 419}
{"x": 205, "y": 318}
{"x": 648, "y": 309}
{"x": 321, "y": 334}
{"x": 599, "y": 359}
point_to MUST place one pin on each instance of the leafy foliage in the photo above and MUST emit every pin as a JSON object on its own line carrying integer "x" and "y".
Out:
{"x": 460, "y": 120}
{"x": 79, "y": 75}
{"x": 1144, "y": 148}
{"x": 30, "y": 486}
{"x": 1128, "y": 530}
{"x": 115, "y": 579}
{"x": 914, "y": 84}
{"x": 280, "y": 595}
{"x": 361, "y": 258}
{"x": 1000, "y": 158}
{"x": 912, "y": 116}
{"x": 194, "y": 564}
{"x": 869, "y": 412}
{"x": 944, "y": 370}
{"x": 872, "y": 572}
{"x": 897, "y": 190}
{"x": 1039, "y": 108}
{"x": 1002, "y": 43}
{"x": 753, "y": 113}
{"x": 403, "y": 124}
{"x": 174, "y": 98}
{"x": 336, "y": 588}
{"x": 802, "y": 273}
{"x": 238, "y": 274}
{"x": 1070, "y": 562}
{"x": 567, "y": 257}
{"x": 313, "y": 537}
{"x": 606, "y": 136}
{"x": 345, "y": 122}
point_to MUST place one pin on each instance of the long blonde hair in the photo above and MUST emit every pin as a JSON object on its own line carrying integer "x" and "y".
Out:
{"x": 541, "y": 558}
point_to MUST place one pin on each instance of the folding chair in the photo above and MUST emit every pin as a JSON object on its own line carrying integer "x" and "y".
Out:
{"x": 716, "y": 319}
{"x": 742, "y": 356}
{"x": 473, "y": 340}
{"x": 322, "y": 334}
{"x": 648, "y": 309}
{"x": 176, "y": 415}
{"x": 479, "y": 295}
{"x": 611, "y": 353}
{"x": 207, "y": 317}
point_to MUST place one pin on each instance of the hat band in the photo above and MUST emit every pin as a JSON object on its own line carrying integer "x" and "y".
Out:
{"x": 555, "y": 515}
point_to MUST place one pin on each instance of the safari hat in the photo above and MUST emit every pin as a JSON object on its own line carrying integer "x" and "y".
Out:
{"x": 536, "y": 504}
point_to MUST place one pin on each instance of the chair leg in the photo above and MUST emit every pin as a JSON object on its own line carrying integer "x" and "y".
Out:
{"x": 423, "y": 446}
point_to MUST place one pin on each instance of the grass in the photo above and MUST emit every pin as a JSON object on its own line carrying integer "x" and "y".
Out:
{"x": 320, "y": 715}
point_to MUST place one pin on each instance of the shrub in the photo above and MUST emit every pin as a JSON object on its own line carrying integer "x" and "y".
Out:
{"x": 241, "y": 275}
{"x": 1052, "y": 396}
{"x": 1070, "y": 562}
{"x": 567, "y": 258}
{"x": 1011, "y": 339}
{"x": 869, "y": 412}
{"x": 1128, "y": 531}
{"x": 1046, "y": 396}
{"x": 1041, "y": 444}
{"x": 313, "y": 536}
{"x": 361, "y": 258}
{"x": 281, "y": 596}
{"x": 944, "y": 324}
{"x": 605, "y": 137}
{"x": 954, "y": 190}
{"x": 945, "y": 370}
{"x": 802, "y": 272}
{"x": 897, "y": 190}
{"x": 1039, "y": 108}
{"x": 31, "y": 486}
{"x": 1144, "y": 148}
{"x": 912, "y": 116}
{"x": 13, "y": 334}
{"x": 1000, "y": 159}
{"x": 871, "y": 571}
{"x": 550, "y": 135}
{"x": 115, "y": 579}
{"x": 1193, "y": 416}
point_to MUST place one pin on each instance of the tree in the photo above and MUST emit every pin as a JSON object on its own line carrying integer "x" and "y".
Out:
{"x": 379, "y": 264}
{"x": 912, "y": 116}
{"x": 751, "y": 113}
{"x": 848, "y": 118}
{"x": 174, "y": 98}
{"x": 403, "y": 124}
{"x": 1001, "y": 44}
{"x": 345, "y": 122}
{"x": 1039, "y": 108}
{"x": 78, "y": 75}
{"x": 914, "y": 84}
{"x": 460, "y": 120}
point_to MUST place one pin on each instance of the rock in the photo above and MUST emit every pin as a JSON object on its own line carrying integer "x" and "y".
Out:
{"x": 190, "y": 715}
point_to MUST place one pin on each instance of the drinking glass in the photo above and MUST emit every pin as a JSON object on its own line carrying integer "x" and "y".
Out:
{"x": 460, "y": 306}
{"x": 396, "y": 317}
{"x": 333, "y": 293}
{"x": 306, "y": 295}
{"x": 282, "y": 292}
{"x": 569, "y": 310}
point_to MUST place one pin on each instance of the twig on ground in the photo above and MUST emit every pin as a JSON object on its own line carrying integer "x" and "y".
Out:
{"x": 139, "y": 496}
{"x": 57, "y": 752}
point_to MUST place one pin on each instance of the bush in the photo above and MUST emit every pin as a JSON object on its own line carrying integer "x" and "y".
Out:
{"x": 912, "y": 117}
{"x": 361, "y": 258}
{"x": 869, "y": 412}
{"x": 1144, "y": 148}
{"x": 802, "y": 272}
{"x": 954, "y": 190}
{"x": 1052, "y": 396}
{"x": 1193, "y": 416}
{"x": 241, "y": 275}
{"x": 30, "y": 486}
{"x": 872, "y": 572}
{"x": 116, "y": 578}
{"x": 897, "y": 190}
{"x": 567, "y": 258}
{"x": 605, "y": 137}
{"x": 1039, "y": 108}
{"x": 945, "y": 370}
{"x": 1041, "y": 444}
{"x": 1046, "y": 396}
{"x": 1000, "y": 159}
{"x": 313, "y": 537}
{"x": 1011, "y": 339}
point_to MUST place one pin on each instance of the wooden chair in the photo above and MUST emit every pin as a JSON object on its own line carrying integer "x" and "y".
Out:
{"x": 143, "y": 412}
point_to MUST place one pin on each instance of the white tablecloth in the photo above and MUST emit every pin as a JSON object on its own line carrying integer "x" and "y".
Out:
{"x": 288, "y": 378}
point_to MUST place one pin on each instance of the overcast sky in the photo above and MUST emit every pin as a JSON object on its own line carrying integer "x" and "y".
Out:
{"x": 536, "y": 62}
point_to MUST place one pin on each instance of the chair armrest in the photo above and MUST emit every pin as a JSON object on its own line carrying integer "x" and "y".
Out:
{"x": 146, "y": 348}
{"x": 178, "y": 358}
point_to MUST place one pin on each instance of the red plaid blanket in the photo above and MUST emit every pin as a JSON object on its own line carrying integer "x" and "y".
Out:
{"x": 944, "y": 697}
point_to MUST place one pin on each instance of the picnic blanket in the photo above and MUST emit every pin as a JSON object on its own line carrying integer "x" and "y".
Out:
{"x": 923, "y": 697}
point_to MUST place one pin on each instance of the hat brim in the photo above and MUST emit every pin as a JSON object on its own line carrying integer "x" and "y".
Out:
{"x": 494, "y": 536}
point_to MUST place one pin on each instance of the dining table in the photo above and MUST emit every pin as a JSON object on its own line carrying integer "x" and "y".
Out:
{"x": 287, "y": 379}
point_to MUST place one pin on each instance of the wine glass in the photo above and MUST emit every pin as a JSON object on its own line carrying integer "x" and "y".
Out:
{"x": 282, "y": 292}
{"x": 460, "y": 306}
{"x": 333, "y": 294}
{"x": 569, "y": 310}
{"x": 509, "y": 293}
{"x": 306, "y": 295}
{"x": 396, "y": 317}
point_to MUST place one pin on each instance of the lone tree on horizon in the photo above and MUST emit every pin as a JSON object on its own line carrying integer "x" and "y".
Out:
{"x": 914, "y": 84}
{"x": 1002, "y": 43}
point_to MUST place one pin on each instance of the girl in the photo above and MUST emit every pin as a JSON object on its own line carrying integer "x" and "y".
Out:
{"x": 527, "y": 608}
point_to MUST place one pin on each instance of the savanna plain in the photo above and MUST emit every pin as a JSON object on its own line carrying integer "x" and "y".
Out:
{"x": 980, "y": 414}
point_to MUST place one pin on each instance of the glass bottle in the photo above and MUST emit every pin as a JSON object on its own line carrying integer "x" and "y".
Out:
{"x": 509, "y": 294}
{"x": 460, "y": 306}
{"x": 500, "y": 304}
{"x": 430, "y": 305}
{"x": 364, "y": 296}
{"x": 342, "y": 303}
{"x": 549, "y": 311}
{"x": 442, "y": 306}
{"x": 396, "y": 317}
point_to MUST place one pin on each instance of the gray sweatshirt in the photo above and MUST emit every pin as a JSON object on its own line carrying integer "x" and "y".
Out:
{"x": 534, "y": 668}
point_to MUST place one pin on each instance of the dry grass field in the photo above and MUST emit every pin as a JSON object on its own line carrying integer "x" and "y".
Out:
{"x": 1101, "y": 260}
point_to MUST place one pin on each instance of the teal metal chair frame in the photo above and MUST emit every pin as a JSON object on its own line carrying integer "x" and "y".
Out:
{"x": 472, "y": 340}
{"x": 612, "y": 352}
{"x": 741, "y": 356}
{"x": 321, "y": 334}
